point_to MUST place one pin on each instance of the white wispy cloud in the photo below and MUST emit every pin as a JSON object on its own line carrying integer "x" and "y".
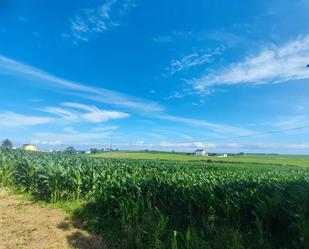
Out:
{"x": 102, "y": 95}
{"x": 178, "y": 134}
{"x": 94, "y": 20}
{"x": 14, "y": 120}
{"x": 77, "y": 138}
{"x": 61, "y": 112}
{"x": 72, "y": 136}
{"x": 213, "y": 127}
{"x": 104, "y": 128}
{"x": 175, "y": 145}
{"x": 76, "y": 112}
{"x": 292, "y": 122}
{"x": 70, "y": 130}
{"x": 155, "y": 135}
{"x": 100, "y": 19}
{"x": 278, "y": 147}
{"x": 274, "y": 64}
{"x": 296, "y": 122}
{"x": 96, "y": 115}
{"x": 191, "y": 60}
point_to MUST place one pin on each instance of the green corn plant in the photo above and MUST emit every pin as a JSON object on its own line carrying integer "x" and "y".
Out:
{"x": 174, "y": 241}
{"x": 6, "y": 171}
{"x": 25, "y": 175}
{"x": 174, "y": 204}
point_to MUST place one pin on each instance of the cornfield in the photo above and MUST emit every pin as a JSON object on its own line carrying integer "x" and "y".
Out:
{"x": 165, "y": 204}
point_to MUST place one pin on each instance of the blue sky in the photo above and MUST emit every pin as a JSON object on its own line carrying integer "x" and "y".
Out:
{"x": 170, "y": 75}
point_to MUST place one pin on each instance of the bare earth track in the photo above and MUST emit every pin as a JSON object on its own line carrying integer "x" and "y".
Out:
{"x": 25, "y": 225}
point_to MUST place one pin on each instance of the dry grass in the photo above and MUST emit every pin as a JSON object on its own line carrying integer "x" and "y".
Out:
{"x": 24, "y": 224}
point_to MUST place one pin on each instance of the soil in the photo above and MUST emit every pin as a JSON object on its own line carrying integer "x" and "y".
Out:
{"x": 26, "y": 225}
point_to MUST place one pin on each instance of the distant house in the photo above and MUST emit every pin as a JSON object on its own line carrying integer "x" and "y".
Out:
{"x": 200, "y": 153}
{"x": 29, "y": 147}
{"x": 223, "y": 155}
{"x": 87, "y": 152}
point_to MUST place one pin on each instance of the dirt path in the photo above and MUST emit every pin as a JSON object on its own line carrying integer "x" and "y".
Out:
{"x": 25, "y": 225}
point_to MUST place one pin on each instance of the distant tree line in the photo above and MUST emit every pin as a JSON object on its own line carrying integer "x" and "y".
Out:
{"x": 72, "y": 150}
{"x": 7, "y": 144}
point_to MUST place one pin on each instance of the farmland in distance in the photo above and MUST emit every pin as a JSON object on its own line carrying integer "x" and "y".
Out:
{"x": 293, "y": 160}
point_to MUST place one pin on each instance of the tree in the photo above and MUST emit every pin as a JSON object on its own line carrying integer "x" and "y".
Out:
{"x": 6, "y": 143}
{"x": 70, "y": 150}
{"x": 93, "y": 150}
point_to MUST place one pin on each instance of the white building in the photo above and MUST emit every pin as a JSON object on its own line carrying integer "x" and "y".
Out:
{"x": 200, "y": 153}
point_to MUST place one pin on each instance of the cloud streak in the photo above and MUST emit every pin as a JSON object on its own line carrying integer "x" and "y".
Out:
{"x": 102, "y": 95}
{"x": 191, "y": 60}
{"x": 76, "y": 112}
{"x": 78, "y": 138}
{"x": 14, "y": 120}
{"x": 217, "y": 128}
{"x": 104, "y": 17}
{"x": 61, "y": 112}
{"x": 293, "y": 123}
{"x": 275, "y": 64}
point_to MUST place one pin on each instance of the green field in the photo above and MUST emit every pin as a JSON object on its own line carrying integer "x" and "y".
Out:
{"x": 259, "y": 159}
{"x": 171, "y": 204}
